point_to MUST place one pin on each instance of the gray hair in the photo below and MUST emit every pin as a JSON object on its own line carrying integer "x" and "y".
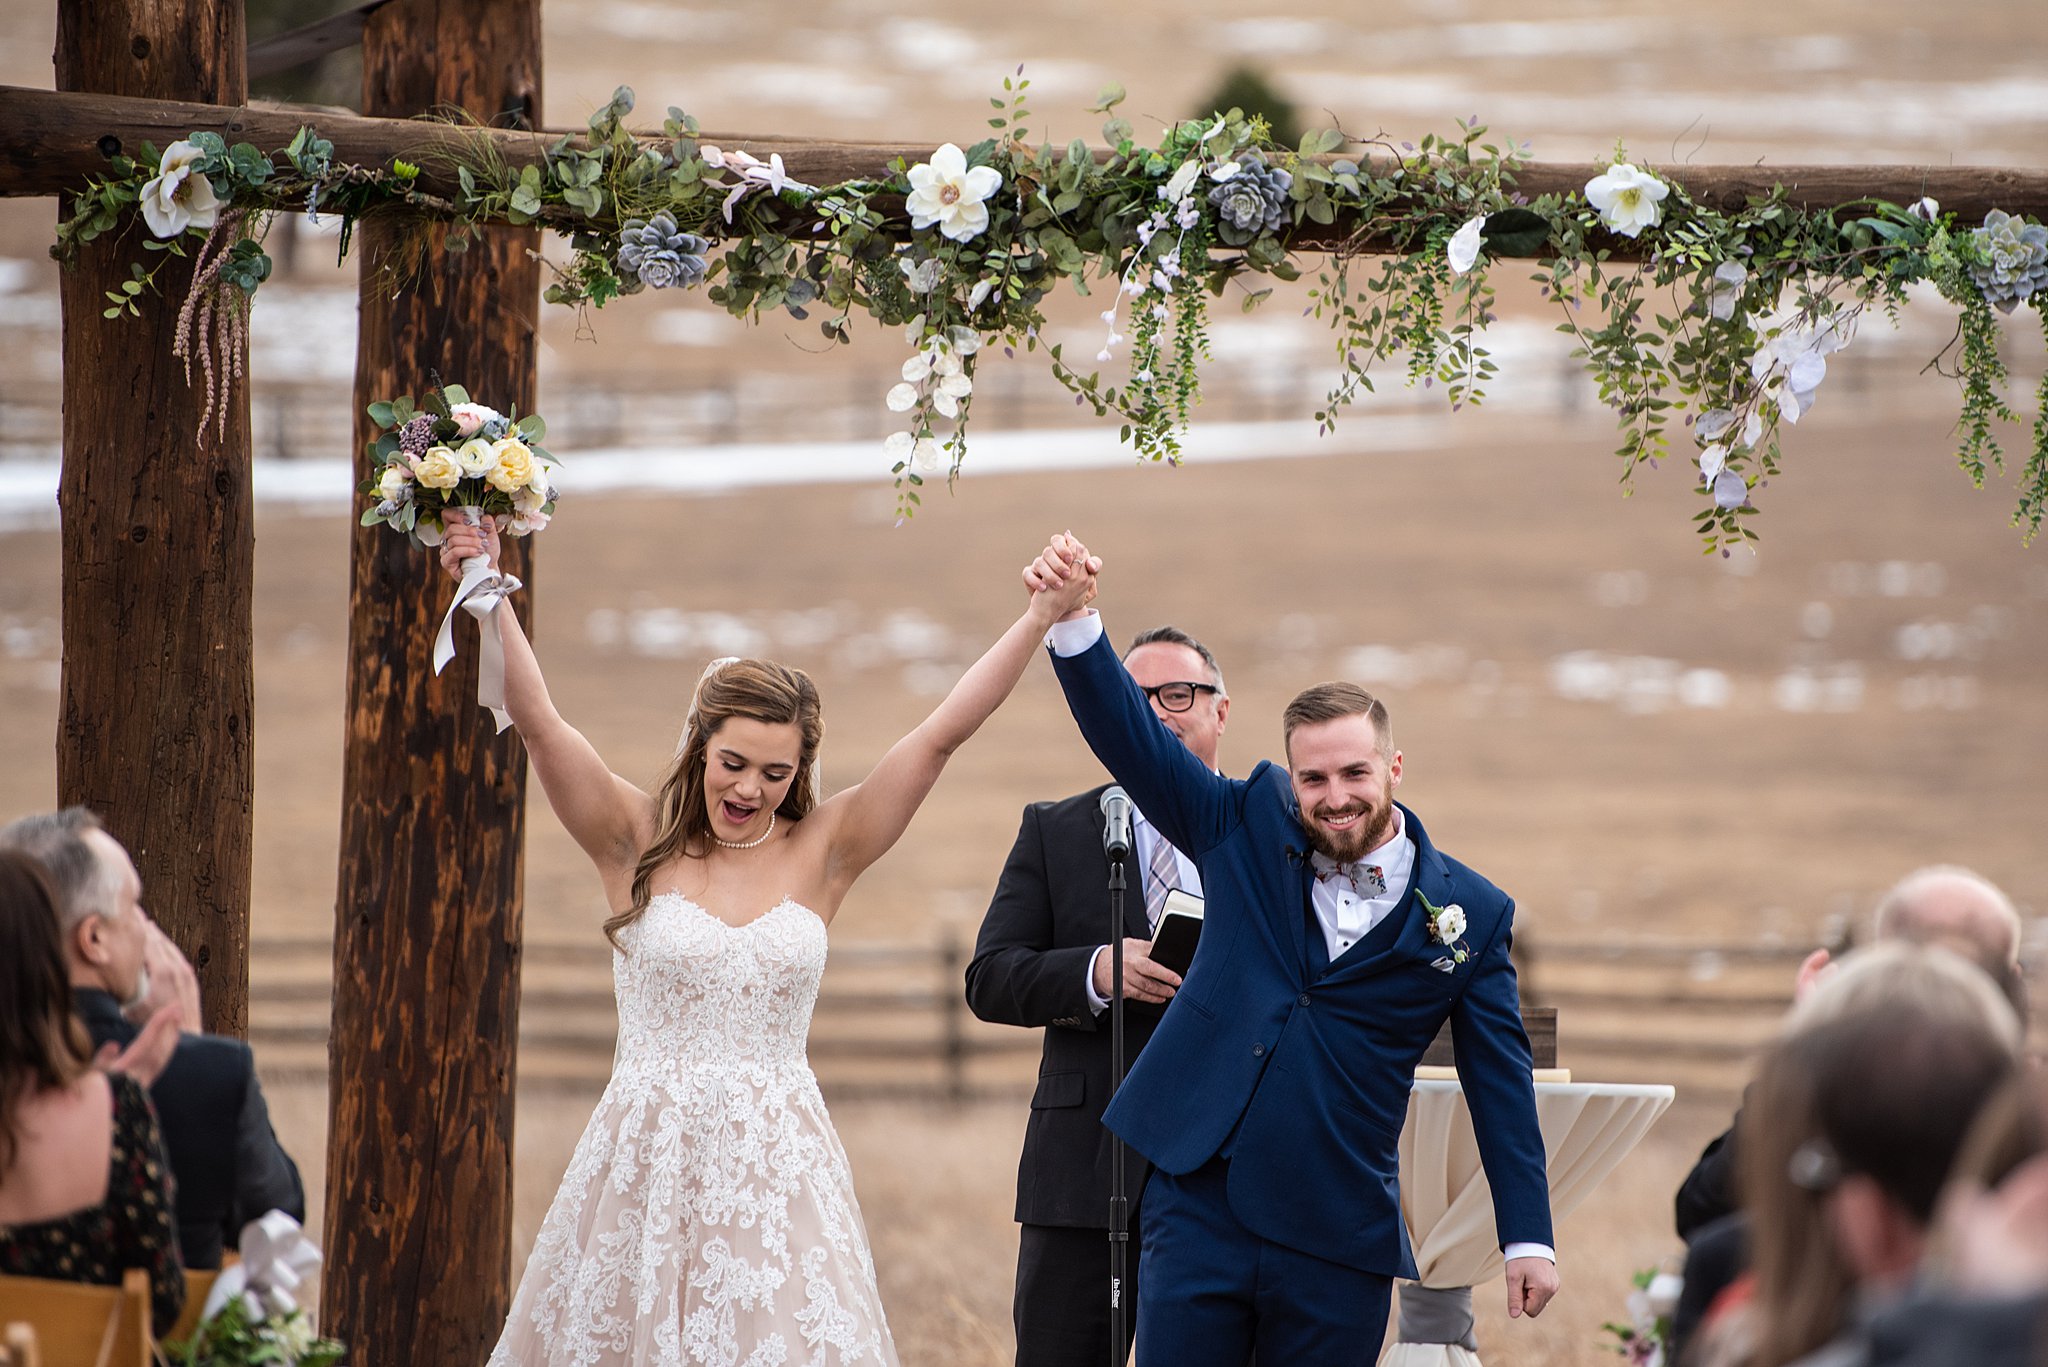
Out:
{"x": 1932, "y": 981}
{"x": 85, "y": 884}
{"x": 1174, "y": 636}
{"x": 1919, "y": 908}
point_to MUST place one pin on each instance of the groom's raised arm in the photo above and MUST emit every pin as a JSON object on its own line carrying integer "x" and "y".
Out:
{"x": 1191, "y": 806}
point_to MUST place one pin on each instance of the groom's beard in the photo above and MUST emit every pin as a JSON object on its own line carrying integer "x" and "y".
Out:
{"x": 141, "y": 994}
{"x": 1348, "y": 846}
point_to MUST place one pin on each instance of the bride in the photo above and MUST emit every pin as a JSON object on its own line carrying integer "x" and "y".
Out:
{"x": 708, "y": 1214}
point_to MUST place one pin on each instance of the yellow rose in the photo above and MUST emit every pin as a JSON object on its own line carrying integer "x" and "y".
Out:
{"x": 438, "y": 468}
{"x": 514, "y": 468}
{"x": 475, "y": 456}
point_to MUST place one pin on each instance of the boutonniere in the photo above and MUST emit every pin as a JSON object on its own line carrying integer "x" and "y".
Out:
{"x": 1446, "y": 925}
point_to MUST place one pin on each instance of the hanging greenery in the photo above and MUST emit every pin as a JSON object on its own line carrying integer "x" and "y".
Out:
{"x": 1716, "y": 327}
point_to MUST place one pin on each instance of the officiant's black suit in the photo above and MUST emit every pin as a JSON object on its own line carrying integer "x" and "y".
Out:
{"x": 1049, "y": 914}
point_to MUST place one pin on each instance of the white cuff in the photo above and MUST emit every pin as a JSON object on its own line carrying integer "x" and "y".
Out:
{"x": 1096, "y": 1002}
{"x": 1074, "y": 635}
{"x": 1543, "y": 1251}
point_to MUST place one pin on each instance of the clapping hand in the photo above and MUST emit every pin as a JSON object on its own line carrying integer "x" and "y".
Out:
{"x": 149, "y": 1052}
{"x": 1063, "y": 577}
{"x": 460, "y": 541}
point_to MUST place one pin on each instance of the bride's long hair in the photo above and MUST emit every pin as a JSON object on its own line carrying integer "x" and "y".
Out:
{"x": 758, "y": 690}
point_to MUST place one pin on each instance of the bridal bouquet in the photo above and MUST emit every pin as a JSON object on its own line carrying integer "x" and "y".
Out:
{"x": 461, "y": 455}
{"x": 456, "y": 454}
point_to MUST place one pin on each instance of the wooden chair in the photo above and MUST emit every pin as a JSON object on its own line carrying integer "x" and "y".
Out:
{"x": 77, "y": 1325}
{"x": 197, "y": 1285}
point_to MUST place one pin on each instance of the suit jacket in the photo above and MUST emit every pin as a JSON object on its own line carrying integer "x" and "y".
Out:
{"x": 1302, "y": 1078}
{"x": 1049, "y": 915}
{"x": 228, "y": 1165}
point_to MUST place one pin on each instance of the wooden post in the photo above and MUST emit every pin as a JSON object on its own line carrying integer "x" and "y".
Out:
{"x": 427, "y": 924}
{"x": 156, "y": 723}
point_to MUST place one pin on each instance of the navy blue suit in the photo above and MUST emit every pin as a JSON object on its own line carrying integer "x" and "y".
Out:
{"x": 1271, "y": 1097}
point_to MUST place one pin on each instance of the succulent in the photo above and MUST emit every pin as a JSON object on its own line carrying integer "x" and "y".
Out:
{"x": 1253, "y": 201}
{"x": 653, "y": 251}
{"x": 417, "y": 435}
{"x": 2018, "y": 255}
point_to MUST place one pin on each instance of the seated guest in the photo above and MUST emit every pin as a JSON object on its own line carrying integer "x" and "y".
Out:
{"x": 1941, "y": 904}
{"x": 84, "y": 1185}
{"x": 228, "y": 1164}
{"x": 1854, "y": 1121}
{"x": 1984, "y": 1293}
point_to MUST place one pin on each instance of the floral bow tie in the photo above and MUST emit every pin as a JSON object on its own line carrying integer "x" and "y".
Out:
{"x": 1367, "y": 880}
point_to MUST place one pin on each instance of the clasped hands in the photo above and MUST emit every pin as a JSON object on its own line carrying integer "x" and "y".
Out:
{"x": 1063, "y": 576}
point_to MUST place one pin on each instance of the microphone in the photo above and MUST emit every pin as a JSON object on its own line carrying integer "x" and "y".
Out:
{"x": 1116, "y": 816}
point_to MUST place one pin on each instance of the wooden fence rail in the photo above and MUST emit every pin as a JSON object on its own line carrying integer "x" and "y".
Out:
{"x": 892, "y": 1019}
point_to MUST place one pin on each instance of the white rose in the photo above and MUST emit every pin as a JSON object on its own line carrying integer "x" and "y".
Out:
{"x": 396, "y": 483}
{"x": 469, "y": 417}
{"x": 1450, "y": 922}
{"x": 438, "y": 468}
{"x": 512, "y": 469}
{"x": 179, "y": 197}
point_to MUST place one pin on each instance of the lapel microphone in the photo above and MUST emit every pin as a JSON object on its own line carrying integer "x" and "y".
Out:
{"x": 1116, "y": 817}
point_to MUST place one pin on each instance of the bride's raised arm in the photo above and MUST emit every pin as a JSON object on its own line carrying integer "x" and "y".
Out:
{"x": 862, "y": 822}
{"x": 609, "y": 817}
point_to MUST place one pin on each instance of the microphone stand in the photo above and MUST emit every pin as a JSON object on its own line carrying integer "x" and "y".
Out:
{"x": 1119, "y": 1204}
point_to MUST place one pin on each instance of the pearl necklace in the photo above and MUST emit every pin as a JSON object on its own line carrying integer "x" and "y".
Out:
{"x": 748, "y": 844}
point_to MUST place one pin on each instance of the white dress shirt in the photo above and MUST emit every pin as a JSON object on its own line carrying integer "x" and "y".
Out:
{"x": 1344, "y": 915}
{"x": 1143, "y": 836}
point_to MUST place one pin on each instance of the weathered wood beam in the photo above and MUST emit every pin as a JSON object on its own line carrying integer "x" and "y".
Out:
{"x": 430, "y": 902}
{"x": 50, "y": 142}
{"x": 336, "y": 33}
{"x": 156, "y": 726}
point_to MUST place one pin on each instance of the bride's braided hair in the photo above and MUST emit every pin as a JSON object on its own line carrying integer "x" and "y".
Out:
{"x": 758, "y": 690}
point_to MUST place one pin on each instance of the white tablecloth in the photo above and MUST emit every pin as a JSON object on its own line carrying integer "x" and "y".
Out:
{"x": 1588, "y": 1128}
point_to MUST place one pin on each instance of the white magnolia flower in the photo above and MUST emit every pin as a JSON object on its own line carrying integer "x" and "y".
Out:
{"x": 179, "y": 197}
{"x": 944, "y": 191}
{"x": 1629, "y": 200}
{"x": 1463, "y": 249}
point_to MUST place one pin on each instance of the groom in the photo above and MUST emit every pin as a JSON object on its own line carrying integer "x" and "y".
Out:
{"x": 1271, "y": 1098}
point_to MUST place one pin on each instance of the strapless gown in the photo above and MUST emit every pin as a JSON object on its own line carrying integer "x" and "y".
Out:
{"x": 708, "y": 1215}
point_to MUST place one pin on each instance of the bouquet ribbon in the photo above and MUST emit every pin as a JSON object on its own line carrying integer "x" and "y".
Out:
{"x": 482, "y": 589}
{"x": 276, "y": 1257}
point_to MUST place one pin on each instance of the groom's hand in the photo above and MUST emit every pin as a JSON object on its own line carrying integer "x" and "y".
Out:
{"x": 1531, "y": 1284}
{"x": 1144, "y": 980}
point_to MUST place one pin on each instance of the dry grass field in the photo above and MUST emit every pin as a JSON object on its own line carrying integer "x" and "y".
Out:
{"x": 1634, "y": 740}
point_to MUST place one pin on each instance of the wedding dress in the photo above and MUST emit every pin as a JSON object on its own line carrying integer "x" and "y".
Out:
{"x": 708, "y": 1215}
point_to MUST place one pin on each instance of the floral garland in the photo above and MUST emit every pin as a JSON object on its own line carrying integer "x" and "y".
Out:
{"x": 1724, "y": 327}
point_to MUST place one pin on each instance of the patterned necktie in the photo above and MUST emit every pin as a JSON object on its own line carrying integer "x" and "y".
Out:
{"x": 1366, "y": 880}
{"x": 1162, "y": 875}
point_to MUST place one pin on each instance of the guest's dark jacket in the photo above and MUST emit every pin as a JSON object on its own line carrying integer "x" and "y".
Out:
{"x": 226, "y": 1160}
{"x": 1049, "y": 914}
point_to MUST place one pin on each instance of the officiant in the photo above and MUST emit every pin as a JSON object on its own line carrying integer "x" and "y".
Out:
{"x": 1041, "y": 961}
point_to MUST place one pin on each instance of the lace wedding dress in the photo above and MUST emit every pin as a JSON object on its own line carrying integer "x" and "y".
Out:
{"x": 708, "y": 1215}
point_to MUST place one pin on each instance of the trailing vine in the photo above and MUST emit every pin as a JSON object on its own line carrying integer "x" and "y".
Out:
{"x": 1710, "y": 342}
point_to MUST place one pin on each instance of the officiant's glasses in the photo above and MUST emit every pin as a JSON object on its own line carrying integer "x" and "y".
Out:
{"x": 1177, "y": 697}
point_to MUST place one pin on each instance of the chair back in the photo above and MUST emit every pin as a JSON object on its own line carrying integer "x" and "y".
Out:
{"x": 197, "y": 1286}
{"x": 79, "y": 1325}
